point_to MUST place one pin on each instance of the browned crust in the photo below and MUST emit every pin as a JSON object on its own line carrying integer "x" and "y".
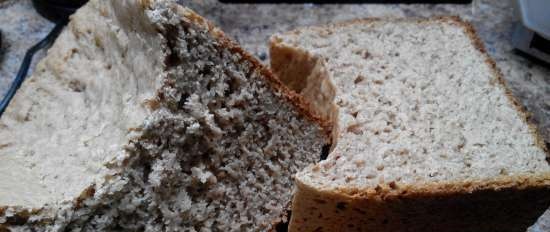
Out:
{"x": 449, "y": 187}
{"x": 503, "y": 210}
{"x": 290, "y": 96}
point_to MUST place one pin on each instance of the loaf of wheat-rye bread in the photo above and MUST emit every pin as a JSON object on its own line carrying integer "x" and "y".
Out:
{"x": 145, "y": 117}
{"x": 428, "y": 136}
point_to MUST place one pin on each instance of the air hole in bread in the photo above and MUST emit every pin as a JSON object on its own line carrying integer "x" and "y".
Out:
{"x": 358, "y": 79}
{"x": 77, "y": 86}
{"x": 325, "y": 151}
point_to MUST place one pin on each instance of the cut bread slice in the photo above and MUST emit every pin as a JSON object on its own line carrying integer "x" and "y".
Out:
{"x": 428, "y": 139}
{"x": 145, "y": 117}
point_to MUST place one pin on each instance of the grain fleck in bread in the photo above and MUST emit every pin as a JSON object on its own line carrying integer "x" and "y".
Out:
{"x": 429, "y": 138}
{"x": 145, "y": 117}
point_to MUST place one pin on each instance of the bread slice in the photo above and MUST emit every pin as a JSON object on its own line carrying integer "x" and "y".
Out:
{"x": 429, "y": 137}
{"x": 144, "y": 116}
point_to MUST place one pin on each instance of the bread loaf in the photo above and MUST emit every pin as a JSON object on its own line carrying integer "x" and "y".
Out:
{"x": 145, "y": 117}
{"x": 428, "y": 139}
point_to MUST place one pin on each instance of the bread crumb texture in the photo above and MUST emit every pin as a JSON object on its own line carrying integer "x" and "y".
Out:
{"x": 417, "y": 102}
{"x": 144, "y": 117}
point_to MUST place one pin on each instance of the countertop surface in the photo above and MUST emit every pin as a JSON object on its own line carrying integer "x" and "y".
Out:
{"x": 251, "y": 25}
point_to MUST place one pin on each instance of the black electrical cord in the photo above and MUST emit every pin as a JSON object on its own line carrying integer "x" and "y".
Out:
{"x": 24, "y": 68}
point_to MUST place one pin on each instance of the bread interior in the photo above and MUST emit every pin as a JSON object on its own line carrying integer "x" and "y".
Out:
{"x": 417, "y": 102}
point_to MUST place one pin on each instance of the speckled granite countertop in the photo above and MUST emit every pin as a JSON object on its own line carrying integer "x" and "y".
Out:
{"x": 251, "y": 25}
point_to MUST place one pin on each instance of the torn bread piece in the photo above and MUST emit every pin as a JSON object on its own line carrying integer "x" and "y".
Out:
{"x": 428, "y": 136}
{"x": 145, "y": 117}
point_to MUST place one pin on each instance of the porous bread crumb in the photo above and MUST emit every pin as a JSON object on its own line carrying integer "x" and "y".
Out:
{"x": 419, "y": 108}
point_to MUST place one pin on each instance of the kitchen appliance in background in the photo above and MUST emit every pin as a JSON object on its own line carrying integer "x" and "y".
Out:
{"x": 57, "y": 11}
{"x": 532, "y": 33}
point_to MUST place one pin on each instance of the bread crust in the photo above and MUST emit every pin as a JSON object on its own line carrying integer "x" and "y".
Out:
{"x": 509, "y": 203}
{"x": 490, "y": 206}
